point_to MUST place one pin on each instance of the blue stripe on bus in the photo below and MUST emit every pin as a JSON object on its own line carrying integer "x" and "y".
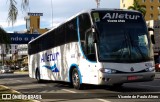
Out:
{"x": 52, "y": 68}
{"x": 79, "y": 42}
{"x": 79, "y": 73}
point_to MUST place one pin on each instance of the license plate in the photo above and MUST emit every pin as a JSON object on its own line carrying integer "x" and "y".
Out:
{"x": 132, "y": 77}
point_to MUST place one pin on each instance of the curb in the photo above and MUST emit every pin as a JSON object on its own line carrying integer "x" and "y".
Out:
{"x": 10, "y": 89}
{"x": 21, "y": 72}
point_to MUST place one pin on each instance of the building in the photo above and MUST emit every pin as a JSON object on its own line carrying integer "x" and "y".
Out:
{"x": 22, "y": 53}
{"x": 124, "y": 4}
{"x": 7, "y": 54}
{"x": 152, "y": 17}
{"x": 156, "y": 25}
{"x": 33, "y": 27}
{"x": 33, "y": 23}
{"x": 17, "y": 53}
{"x": 152, "y": 8}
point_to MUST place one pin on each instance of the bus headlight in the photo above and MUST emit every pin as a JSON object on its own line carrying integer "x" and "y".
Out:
{"x": 150, "y": 69}
{"x": 107, "y": 70}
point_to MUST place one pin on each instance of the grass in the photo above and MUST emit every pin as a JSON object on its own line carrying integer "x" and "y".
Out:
{"x": 6, "y": 90}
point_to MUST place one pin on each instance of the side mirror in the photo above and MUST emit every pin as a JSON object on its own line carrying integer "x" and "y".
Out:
{"x": 94, "y": 30}
{"x": 152, "y": 39}
{"x": 94, "y": 38}
{"x": 152, "y": 35}
{"x": 150, "y": 29}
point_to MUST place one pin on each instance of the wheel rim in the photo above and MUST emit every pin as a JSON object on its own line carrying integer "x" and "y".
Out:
{"x": 75, "y": 79}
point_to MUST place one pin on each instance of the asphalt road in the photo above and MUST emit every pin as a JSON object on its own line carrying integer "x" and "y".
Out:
{"x": 61, "y": 91}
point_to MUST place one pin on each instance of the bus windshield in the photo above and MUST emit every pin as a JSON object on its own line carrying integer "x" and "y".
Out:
{"x": 122, "y": 39}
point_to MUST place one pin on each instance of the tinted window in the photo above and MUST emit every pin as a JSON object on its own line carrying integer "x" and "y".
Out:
{"x": 86, "y": 37}
{"x": 71, "y": 31}
{"x": 65, "y": 33}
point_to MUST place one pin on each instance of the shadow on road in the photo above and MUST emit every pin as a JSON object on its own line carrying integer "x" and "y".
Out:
{"x": 23, "y": 83}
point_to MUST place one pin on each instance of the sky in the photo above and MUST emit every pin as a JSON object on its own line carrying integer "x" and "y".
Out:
{"x": 60, "y": 9}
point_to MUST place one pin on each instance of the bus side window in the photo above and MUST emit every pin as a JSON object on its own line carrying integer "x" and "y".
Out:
{"x": 90, "y": 48}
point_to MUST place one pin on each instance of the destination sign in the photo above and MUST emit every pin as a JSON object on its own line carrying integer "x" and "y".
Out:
{"x": 117, "y": 16}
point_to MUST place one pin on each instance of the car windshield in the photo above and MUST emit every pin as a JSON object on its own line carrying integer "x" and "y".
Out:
{"x": 123, "y": 41}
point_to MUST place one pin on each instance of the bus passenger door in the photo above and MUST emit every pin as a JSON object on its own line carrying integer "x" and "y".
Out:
{"x": 90, "y": 55}
{"x": 90, "y": 48}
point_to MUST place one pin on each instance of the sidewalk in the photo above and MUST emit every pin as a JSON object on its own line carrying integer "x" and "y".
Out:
{"x": 21, "y": 72}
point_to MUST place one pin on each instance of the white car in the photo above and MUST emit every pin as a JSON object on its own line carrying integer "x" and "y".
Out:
{"x": 24, "y": 68}
{"x": 5, "y": 69}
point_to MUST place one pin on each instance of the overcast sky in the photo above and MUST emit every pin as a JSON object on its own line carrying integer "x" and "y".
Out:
{"x": 62, "y": 10}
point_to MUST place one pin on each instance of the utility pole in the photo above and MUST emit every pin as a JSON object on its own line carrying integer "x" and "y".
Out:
{"x": 98, "y": 3}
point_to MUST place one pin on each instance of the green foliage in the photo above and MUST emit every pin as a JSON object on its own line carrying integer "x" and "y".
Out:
{"x": 13, "y": 11}
{"x": 138, "y": 7}
{"x": 4, "y": 38}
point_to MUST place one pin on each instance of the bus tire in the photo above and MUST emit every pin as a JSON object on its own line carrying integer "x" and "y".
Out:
{"x": 76, "y": 79}
{"x": 38, "y": 76}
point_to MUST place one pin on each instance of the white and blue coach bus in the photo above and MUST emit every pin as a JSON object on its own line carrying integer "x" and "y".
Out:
{"x": 98, "y": 46}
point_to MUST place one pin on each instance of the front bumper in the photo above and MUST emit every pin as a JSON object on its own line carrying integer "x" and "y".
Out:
{"x": 111, "y": 79}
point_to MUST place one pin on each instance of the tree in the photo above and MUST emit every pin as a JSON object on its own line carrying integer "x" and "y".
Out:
{"x": 98, "y": 3}
{"x": 4, "y": 42}
{"x": 4, "y": 38}
{"x": 138, "y": 7}
{"x": 13, "y": 11}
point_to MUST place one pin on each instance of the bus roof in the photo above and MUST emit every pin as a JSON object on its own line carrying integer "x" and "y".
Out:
{"x": 84, "y": 11}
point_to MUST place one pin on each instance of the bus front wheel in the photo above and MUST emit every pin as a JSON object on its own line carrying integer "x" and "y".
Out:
{"x": 76, "y": 79}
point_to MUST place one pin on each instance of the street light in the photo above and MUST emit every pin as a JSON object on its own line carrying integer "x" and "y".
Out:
{"x": 52, "y": 12}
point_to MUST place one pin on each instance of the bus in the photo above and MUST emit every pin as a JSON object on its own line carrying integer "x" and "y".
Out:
{"x": 96, "y": 46}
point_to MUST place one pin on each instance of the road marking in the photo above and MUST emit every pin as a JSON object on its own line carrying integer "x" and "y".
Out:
{"x": 69, "y": 91}
{"x": 103, "y": 100}
{"x": 149, "y": 85}
{"x": 19, "y": 81}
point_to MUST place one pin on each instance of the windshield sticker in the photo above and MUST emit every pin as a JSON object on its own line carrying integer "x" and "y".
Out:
{"x": 96, "y": 17}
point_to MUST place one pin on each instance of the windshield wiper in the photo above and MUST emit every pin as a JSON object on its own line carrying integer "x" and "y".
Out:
{"x": 123, "y": 45}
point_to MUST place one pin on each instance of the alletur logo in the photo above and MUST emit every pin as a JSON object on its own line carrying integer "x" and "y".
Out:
{"x": 120, "y": 16}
